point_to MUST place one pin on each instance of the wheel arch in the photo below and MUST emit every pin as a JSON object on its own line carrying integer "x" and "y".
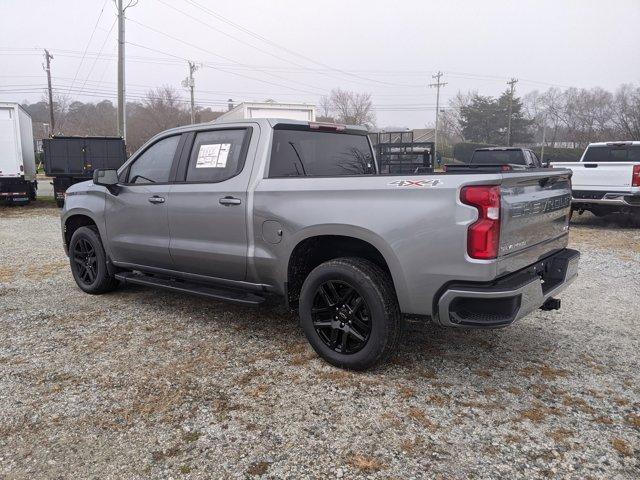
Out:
{"x": 316, "y": 245}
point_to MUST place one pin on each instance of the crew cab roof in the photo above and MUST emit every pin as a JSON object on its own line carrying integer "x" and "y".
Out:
{"x": 268, "y": 123}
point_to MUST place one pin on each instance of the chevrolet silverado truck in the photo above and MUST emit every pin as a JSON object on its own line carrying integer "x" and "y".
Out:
{"x": 279, "y": 209}
{"x": 607, "y": 178}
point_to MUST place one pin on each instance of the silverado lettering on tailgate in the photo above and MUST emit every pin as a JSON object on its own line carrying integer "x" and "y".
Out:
{"x": 538, "y": 207}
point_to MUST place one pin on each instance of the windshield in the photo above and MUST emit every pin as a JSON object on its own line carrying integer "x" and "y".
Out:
{"x": 625, "y": 153}
{"x": 497, "y": 157}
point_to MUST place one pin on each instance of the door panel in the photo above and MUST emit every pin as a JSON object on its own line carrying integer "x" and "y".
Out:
{"x": 136, "y": 216}
{"x": 208, "y": 220}
{"x": 138, "y": 230}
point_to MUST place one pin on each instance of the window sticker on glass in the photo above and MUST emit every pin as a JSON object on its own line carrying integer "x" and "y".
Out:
{"x": 213, "y": 156}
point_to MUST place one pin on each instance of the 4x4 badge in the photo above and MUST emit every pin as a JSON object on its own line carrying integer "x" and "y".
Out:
{"x": 416, "y": 183}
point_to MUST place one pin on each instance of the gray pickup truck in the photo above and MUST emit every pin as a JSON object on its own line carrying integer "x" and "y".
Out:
{"x": 298, "y": 211}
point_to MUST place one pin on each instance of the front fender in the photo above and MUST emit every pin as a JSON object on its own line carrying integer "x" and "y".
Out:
{"x": 90, "y": 204}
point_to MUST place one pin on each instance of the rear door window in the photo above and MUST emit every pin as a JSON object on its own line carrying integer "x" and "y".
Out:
{"x": 217, "y": 155}
{"x": 627, "y": 153}
{"x": 298, "y": 153}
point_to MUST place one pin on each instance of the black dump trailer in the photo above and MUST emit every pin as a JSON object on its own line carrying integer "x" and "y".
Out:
{"x": 71, "y": 160}
{"x": 405, "y": 158}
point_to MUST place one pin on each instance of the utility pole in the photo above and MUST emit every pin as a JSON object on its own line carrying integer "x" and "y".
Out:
{"x": 122, "y": 115}
{"x": 512, "y": 85}
{"x": 437, "y": 85}
{"x": 47, "y": 68}
{"x": 544, "y": 139}
{"x": 190, "y": 83}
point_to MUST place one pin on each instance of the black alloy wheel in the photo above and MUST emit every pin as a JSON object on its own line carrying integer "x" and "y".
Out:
{"x": 341, "y": 317}
{"x": 89, "y": 262}
{"x": 349, "y": 312}
{"x": 86, "y": 260}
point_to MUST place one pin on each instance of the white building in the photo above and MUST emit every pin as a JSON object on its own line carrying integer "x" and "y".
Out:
{"x": 293, "y": 111}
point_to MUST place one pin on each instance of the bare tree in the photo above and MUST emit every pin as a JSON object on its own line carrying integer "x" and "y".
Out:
{"x": 351, "y": 107}
{"x": 626, "y": 112}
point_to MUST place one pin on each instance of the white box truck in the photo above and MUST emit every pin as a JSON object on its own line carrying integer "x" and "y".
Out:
{"x": 291, "y": 111}
{"x": 18, "y": 182}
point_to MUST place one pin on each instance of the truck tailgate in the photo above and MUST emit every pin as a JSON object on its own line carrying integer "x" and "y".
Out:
{"x": 605, "y": 176}
{"x": 535, "y": 216}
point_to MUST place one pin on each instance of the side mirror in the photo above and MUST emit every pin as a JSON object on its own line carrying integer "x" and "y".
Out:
{"x": 106, "y": 178}
{"x": 547, "y": 163}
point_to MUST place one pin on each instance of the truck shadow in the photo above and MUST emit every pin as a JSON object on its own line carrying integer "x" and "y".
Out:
{"x": 614, "y": 221}
{"x": 423, "y": 345}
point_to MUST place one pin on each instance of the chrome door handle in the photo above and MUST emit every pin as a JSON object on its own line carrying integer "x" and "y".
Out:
{"x": 230, "y": 201}
{"x": 156, "y": 199}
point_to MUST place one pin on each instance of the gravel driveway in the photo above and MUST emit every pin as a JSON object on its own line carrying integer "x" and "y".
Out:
{"x": 147, "y": 384}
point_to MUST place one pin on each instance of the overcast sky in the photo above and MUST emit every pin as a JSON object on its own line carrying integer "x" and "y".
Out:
{"x": 387, "y": 48}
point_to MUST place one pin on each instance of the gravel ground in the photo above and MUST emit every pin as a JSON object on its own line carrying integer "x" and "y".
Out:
{"x": 141, "y": 383}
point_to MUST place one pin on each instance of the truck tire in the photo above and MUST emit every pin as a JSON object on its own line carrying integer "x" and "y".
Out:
{"x": 89, "y": 262}
{"x": 349, "y": 313}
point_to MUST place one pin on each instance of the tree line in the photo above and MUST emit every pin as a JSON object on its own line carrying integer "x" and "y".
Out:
{"x": 571, "y": 117}
{"x": 566, "y": 118}
{"x": 162, "y": 108}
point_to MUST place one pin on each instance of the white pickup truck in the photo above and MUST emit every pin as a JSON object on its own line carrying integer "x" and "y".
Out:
{"x": 607, "y": 178}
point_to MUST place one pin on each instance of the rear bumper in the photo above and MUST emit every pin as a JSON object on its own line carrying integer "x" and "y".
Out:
{"x": 508, "y": 299}
{"x": 626, "y": 199}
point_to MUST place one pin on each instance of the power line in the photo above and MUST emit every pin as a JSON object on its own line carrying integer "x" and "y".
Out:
{"x": 88, "y": 43}
{"x": 292, "y": 52}
{"x": 193, "y": 45}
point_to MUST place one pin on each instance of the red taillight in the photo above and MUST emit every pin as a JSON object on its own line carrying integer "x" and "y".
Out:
{"x": 506, "y": 168}
{"x": 483, "y": 236}
{"x": 635, "y": 176}
{"x": 327, "y": 126}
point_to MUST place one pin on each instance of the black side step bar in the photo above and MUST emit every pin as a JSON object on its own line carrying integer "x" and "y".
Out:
{"x": 217, "y": 293}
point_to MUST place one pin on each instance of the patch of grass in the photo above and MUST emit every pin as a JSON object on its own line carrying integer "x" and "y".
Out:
{"x": 365, "y": 463}
{"x": 191, "y": 436}
{"x": 185, "y": 469}
{"x": 603, "y": 420}
{"x": 512, "y": 438}
{"x": 421, "y": 417}
{"x": 438, "y": 400}
{"x": 622, "y": 446}
{"x": 534, "y": 414}
{"x": 484, "y": 373}
{"x": 560, "y": 434}
{"x": 410, "y": 446}
{"x": 551, "y": 373}
{"x": 634, "y": 420}
{"x": 406, "y": 392}
{"x": 514, "y": 391}
{"x": 579, "y": 403}
{"x": 160, "y": 455}
{"x": 258, "y": 468}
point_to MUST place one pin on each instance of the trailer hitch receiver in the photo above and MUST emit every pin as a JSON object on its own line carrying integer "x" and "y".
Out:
{"x": 551, "y": 304}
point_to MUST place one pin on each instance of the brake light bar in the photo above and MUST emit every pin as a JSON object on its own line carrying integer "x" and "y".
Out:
{"x": 327, "y": 126}
{"x": 483, "y": 236}
{"x": 635, "y": 176}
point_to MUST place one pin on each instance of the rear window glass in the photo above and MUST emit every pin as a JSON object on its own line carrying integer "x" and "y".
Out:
{"x": 629, "y": 153}
{"x": 498, "y": 157}
{"x": 297, "y": 153}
